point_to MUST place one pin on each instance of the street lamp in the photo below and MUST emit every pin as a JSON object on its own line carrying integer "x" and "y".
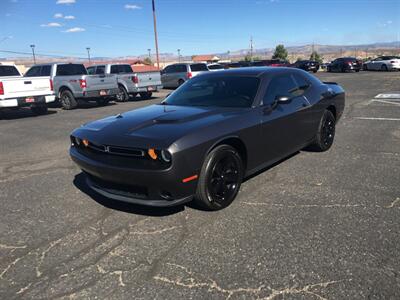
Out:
{"x": 33, "y": 54}
{"x": 88, "y": 53}
{"x": 149, "y": 50}
{"x": 179, "y": 55}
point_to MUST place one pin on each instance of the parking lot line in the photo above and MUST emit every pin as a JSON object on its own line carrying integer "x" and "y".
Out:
{"x": 378, "y": 119}
{"x": 388, "y": 102}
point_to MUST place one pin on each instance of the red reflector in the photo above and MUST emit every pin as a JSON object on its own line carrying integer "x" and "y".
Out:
{"x": 189, "y": 75}
{"x": 189, "y": 178}
{"x": 1, "y": 88}
{"x": 135, "y": 79}
{"x": 82, "y": 83}
{"x": 51, "y": 85}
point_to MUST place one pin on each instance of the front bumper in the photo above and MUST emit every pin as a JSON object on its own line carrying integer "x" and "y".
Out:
{"x": 23, "y": 101}
{"x": 155, "y": 187}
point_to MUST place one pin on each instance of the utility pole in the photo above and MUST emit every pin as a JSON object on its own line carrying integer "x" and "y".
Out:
{"x": 33, "y": 54}
{"x": 149, "y": 50}
{"x": 251, "y": 48}
{"x": 88, "y": 53}
{"x": 179, "y": 55}
{"x": 155, "y": 33}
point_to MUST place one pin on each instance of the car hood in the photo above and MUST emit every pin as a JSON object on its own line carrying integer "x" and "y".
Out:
{"x": 153, "y": 126}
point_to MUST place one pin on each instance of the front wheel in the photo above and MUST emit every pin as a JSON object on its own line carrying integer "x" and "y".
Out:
{"x": 326, "y": 132}
{"x": 220, "y": 178}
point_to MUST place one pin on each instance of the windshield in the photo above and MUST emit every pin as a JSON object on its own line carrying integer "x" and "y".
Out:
{"x": 221, "y": 91}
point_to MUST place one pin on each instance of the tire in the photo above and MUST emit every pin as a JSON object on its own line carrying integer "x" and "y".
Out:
{"x": 358, "y": 70}
{"x": 102, "y": 101}
{"x": 122, "y": 95}
{"x": 68, "y": 100}
{"x": 314, "y": 71}
{"x": 39, "y": 109}
{"x": 365, "y": 67}
{"x": 384, "y": 68}
{"x": 328, "y": 69}
{"x": 343, "y": 70}
{"x": 145, "y": 95}
{"x": 180, "y": 82}
{"x": 215, "y": 190}
{"x": 326, "y": 133}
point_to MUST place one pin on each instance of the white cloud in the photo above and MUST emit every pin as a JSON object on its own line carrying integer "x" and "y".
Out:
{"x": 75, "y": 29}
{"x": 58, "y": 16}
{"x": 69, "y": 17}
{"x": 51, "y": 24}
{"x": 132, "y": 6}
{"x": 66, "y": 1}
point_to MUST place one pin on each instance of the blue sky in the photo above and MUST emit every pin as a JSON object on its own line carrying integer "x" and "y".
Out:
{"x": 125, "y": 27}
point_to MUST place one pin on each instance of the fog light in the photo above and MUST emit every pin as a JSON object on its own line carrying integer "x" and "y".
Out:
{"x": 166, "y": 156}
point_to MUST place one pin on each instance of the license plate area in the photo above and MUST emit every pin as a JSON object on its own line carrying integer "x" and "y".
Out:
{"x": 29, "y": 99}
{"x": 150, "y": 89}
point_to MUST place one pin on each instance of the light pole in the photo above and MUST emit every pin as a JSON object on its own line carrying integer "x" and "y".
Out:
{"x": 155, "y": 33}
{"x": 179, "y": 55}
{"x": 149, "y": 50}
{"x": 33, "y": 54}
{"x": 88, "y": 53}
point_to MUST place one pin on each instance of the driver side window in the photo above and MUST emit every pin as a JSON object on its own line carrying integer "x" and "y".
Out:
{"x": 280, "y": 86}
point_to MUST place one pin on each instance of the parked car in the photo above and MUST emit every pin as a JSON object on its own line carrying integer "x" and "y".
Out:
{"x": 129, "y": 82}
{"x": 17, "y": 91}
{"x": 215, "y": 67}
{"x": 383, "y": 63}
{"x": 307, "y": 65}
{"x": 72, "y": 83}
{"x": 270, "y": 63}
{"x": 206, "y": 136}
{"x": 175, "y": 75}
{"x": 344, "y": 64}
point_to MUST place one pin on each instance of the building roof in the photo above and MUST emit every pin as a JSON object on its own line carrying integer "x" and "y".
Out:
{"x": 208, "y": 57}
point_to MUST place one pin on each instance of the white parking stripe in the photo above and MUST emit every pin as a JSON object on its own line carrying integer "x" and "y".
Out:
{"x": 393, "y": 95}
{"x": 378, "y": 119}
{"x": 388, "y": 102}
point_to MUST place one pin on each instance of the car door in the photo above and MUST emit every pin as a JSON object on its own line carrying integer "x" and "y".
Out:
{"x": 166, "y": 76}
{"x": 285, "y": 128}
{"x": 376, "y": 63}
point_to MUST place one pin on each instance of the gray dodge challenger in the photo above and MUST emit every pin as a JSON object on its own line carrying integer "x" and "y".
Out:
{"x": 207, "y": 136}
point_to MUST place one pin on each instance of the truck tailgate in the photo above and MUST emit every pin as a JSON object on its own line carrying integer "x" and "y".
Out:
{"x": 149, "y": 79}
{"x": 24, "y": 86}
{"x": 101, "y": 82}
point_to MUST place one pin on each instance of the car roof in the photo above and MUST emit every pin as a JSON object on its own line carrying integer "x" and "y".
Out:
{"x": 255, "y": 71}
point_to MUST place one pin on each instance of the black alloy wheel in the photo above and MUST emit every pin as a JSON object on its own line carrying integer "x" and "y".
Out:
{"x": 220, "y": 178}
{"x": 384, "y": 68}
{"x": 122, "y": 95}
{"x": 326, "y": 132}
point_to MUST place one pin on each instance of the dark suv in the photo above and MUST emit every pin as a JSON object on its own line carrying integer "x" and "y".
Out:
{"x": 307, "y": 65}
{"x": 344, "y": 64}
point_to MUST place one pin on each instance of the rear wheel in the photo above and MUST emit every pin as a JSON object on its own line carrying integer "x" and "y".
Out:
{"x": 39, "y": 109}
{"x": 365, "y": 67}
{"x": 68, "y": 100}
{"x": 220, "y": 178}
{"x": 122, "y": 95}
{"x": 145, "y": 95}
{"x": 384, "y": 68}
{"x": 326, "y": 132}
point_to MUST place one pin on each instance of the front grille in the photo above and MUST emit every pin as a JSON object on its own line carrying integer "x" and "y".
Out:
{"x": 117, "y": 150}
{"x": 131, "y": 191}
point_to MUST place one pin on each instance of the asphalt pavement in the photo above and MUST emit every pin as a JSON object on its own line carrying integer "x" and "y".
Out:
{"x": 315, "y": 226}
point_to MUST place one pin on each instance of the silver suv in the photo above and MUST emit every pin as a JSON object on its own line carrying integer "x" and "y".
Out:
{"x": 175, "y": 75}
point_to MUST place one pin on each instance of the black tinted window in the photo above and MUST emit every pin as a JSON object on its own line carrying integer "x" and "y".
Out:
{"x": 91, "y": 70}
{"x": 221, "y": 91}
{"x": 279, "y": 86}
{"x": 215, "y": 67}
{"x": 198, "y": 67}
{"x": 180, "y": 69}
{"x": 33, "y": 72}
{"x": 8, "y": 71}
{"x": 100, "y": 70}
{"x": 302, "y": 83}
{"x": 45, "y": 71}
{"x": 71, "y": 69}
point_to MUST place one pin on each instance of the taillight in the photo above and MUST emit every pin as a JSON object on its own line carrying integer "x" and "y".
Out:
{"x": 51, "y": 85}
{"x": 82, "y": 83}
{"x": 135, "y": 79}
{"x": 189, "y": 75}
{"x": 1, "y": 88}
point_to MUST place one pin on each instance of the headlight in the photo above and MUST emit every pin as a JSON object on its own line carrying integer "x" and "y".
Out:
{"x": 166, "y": 156}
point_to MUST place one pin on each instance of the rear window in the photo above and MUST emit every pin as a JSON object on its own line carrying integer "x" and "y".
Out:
{"x": 198, "y": 67}
{"x": 215, "y": 67}
{"x": 45, "y": 71}
{"x": 71, "y": 69}
{"x": 120, "y": 69}
{"x": 8, "y": 71}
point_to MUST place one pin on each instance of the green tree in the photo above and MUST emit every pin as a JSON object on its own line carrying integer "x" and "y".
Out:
{"x": 316, "y": 57}
{"x": 280, "y": 52}
{"x": 148, "y": 61}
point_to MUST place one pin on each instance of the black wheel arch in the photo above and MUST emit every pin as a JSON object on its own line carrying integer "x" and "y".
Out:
{"x": 62, "y": 89}
{"x": 332, "y": 109}
{"x": 236, "y": 143}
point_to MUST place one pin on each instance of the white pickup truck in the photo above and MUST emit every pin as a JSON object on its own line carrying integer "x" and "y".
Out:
{"x": 129, "y": 82}
{"x": 17, "y": 91}
{"x": 72, "y": 83}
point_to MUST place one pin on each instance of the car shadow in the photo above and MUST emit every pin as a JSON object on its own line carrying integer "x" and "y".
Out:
{"x": 11, "y": 114}
{"x": 93, "y": 104}
{"x": 80, "y": 183}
